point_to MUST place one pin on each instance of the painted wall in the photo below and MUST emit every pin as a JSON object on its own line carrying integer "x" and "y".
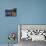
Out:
{"x": 28, "y": 12}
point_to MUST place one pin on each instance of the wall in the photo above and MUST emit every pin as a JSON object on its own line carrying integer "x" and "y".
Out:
{"x": 28, "y": 12}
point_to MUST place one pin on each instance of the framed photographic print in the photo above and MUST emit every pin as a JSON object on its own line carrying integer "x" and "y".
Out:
{"x": 11, "y": 12}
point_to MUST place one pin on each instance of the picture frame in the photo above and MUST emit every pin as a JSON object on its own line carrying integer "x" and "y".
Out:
{"x": 11, "y": 12}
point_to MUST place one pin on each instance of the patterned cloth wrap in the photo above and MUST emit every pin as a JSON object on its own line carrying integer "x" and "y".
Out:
{"x": 12, "y": 36}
